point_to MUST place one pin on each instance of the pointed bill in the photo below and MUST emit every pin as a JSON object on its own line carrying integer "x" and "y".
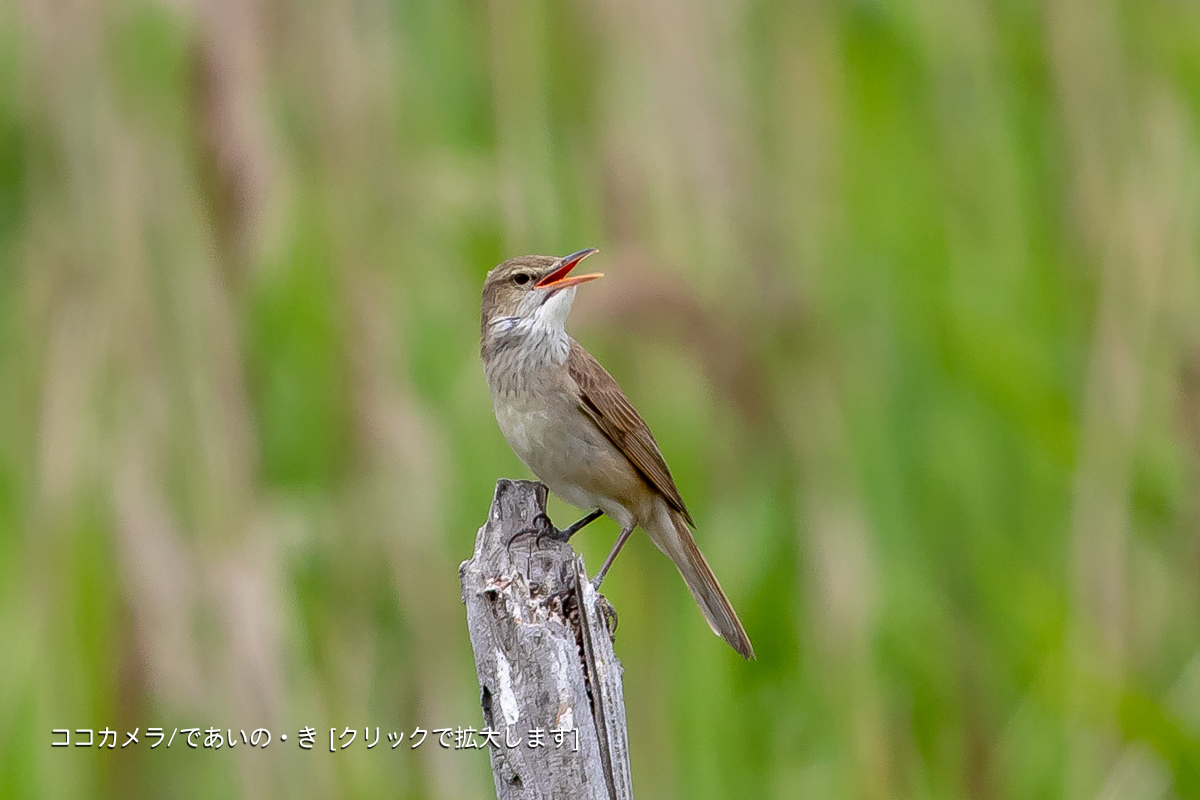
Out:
{"x": 560, "y": 277}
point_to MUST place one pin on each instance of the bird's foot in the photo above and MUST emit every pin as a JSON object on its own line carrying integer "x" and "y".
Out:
{"x": 568, "y": 599}
{"x": 542, "y": 528}
{"x": 606, "y": 608}
{"x": 610, "y": 616}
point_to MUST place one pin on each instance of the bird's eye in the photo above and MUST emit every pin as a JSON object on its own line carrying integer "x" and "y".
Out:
{"x": 521, "y": 278}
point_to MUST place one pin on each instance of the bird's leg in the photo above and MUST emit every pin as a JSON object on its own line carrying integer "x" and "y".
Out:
{"x": 579, "y": 525}
{"x": 543, "y": 528}
{"x": 624, "y": 537}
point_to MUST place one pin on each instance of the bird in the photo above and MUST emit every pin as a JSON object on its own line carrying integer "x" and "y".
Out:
{"x": 566, "y": 418}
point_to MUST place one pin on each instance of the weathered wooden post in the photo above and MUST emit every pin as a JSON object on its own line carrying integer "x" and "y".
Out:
{"x": 545, "y": 660}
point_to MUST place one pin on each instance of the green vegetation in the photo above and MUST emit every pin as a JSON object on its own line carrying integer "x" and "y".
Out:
{"x": 908, "y": 292}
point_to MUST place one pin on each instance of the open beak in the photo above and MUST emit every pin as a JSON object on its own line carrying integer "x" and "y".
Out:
{"x": 560, "y": 277}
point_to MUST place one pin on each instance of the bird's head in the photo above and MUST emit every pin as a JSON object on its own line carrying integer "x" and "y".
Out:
{"x": 531, "y": 292}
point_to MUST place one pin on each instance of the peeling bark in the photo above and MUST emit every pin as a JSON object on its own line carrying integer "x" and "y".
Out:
{"x": 544, "y": 656}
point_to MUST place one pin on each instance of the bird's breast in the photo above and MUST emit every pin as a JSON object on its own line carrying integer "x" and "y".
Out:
{"x": 568, "y": 453}
{"x": 543, "y": 431}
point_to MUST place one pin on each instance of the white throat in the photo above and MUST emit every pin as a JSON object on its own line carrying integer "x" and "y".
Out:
{"x": 519, "y": 352}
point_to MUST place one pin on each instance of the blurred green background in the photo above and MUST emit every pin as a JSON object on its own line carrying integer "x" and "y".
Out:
{"x": 908, "y": 292}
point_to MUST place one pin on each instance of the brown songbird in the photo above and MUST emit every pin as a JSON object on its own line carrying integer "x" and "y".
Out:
{"x": 567, "y": 419}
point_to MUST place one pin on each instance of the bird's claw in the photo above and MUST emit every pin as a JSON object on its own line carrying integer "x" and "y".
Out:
{"x": 541, "y": 528}
{"x": 610, "y": 616}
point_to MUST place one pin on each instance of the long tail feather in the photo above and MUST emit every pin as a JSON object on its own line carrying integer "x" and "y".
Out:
{"x": 669, "y": 531}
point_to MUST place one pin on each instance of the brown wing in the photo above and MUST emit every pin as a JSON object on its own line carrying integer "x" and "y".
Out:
{"x": 603, "y": 401}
